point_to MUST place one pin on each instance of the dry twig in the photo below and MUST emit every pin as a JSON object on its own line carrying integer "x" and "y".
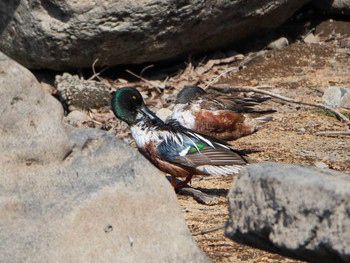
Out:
{"x": 151, "y": 83}
{"x": 219, "y": 76}
{"x": 209, "y": 230}
{"x": 334, "y": 133}
{"x": 199, "y": 196}
{"x": 96, "y": 74}
{"x": 145, "y": 68}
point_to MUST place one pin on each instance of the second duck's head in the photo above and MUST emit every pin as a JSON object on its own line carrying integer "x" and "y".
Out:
{"x": 189, "y": 93}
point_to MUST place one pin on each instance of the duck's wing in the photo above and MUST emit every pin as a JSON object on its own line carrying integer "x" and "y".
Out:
{"x": 240, "y": 102}
{"x": 243, "y": 104}
{"x": 191, "y": 149}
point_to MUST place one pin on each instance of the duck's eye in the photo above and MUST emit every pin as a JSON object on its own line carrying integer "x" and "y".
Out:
{"x": 133, "y": 97}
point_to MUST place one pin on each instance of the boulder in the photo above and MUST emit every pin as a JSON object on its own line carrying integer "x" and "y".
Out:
{"x": 30, "y": 123}
{"x": 335, "y": 96}
{"x": 78, "y": 195}
{"x": 297, "y": 211}
{"x": 64, "y": 34}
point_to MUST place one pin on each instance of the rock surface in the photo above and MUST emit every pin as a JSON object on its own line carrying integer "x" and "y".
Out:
{"x": 297, "y": 211}
{"x": 81, "y": 94}
{"x": 78, "y": 195}
{"x": 30, "y": 119}
{"x": 335, "y": 96}
{"x": 72, "y": 34}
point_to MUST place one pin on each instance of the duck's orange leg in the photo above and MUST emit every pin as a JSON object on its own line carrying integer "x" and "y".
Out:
{"x": 183, "y": 183}
{"x": 173, "y": 181}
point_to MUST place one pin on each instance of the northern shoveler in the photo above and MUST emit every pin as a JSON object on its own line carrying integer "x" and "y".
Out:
{"x": 171, "y": 147}
{"x": 227, "y": 118}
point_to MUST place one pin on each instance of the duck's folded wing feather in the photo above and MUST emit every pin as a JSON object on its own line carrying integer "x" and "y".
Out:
{"x": 194, "y": 153}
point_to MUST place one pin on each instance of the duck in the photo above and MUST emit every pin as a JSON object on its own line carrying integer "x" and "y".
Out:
{"x": 226, "y": 118}
{"x": 171, "y": 147}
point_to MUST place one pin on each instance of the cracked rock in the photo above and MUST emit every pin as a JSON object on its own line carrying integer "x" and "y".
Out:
{"x": 64, "y": 34}
{"x": 298, "y": 211}
{"x": 78, "y": 195}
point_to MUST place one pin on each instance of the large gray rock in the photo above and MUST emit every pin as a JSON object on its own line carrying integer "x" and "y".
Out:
{"x": 73, "y": 34}
{"x": 30, "y": 128}
{"x": 82, "y": 196}
{"x": 297, "y": 211}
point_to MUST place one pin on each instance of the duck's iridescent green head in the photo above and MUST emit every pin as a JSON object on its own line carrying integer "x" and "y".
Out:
{"x": 127, "y": 104}
{"x": 189, "y": 93}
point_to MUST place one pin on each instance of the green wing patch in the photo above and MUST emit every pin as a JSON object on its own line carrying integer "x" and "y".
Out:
{"x": 199, "y": 147}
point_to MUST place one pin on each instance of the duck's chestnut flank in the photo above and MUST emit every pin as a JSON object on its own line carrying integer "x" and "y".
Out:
{"x": 227, "y": 118}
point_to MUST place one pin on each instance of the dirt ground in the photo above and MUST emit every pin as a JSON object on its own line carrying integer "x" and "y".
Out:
{"x": 300, "y": 71}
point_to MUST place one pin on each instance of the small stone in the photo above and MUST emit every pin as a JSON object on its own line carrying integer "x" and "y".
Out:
{"x": 345, "y": 42}
{"x": 312, "y": 39}
{"x": 321, "y": 165}
{"x": 333, "y": 95}
{"x": 76, "y": 116}
{"x": 345, "y": 101}
{"x": 313, "y": 123}
{"x": 279, "y": 43}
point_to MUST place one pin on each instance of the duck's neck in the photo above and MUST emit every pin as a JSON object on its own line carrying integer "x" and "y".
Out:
{"x": 145, "y": 131}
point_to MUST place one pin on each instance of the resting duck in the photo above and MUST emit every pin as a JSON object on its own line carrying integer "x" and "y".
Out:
{"x": 227, "y": 118}
{"x": 171, "y": 147}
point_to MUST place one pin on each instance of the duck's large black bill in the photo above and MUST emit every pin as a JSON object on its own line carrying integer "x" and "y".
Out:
{"x": 146, "y": 111}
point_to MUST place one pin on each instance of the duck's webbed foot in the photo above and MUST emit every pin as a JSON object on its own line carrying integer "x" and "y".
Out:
{"x": 177, "y": 184}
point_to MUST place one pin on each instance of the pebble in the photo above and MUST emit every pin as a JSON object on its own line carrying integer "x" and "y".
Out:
{"x": 336, "y": 96}
{"x": 311, "y": 39}
{"x": 345, "y": 101}
{"x": 345, "y": 42}
{"x": 313, "y": 123}
{"x": 321, "y": 165}
{"x": 76, "y": 116}
{"x": 279, "y": 43}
